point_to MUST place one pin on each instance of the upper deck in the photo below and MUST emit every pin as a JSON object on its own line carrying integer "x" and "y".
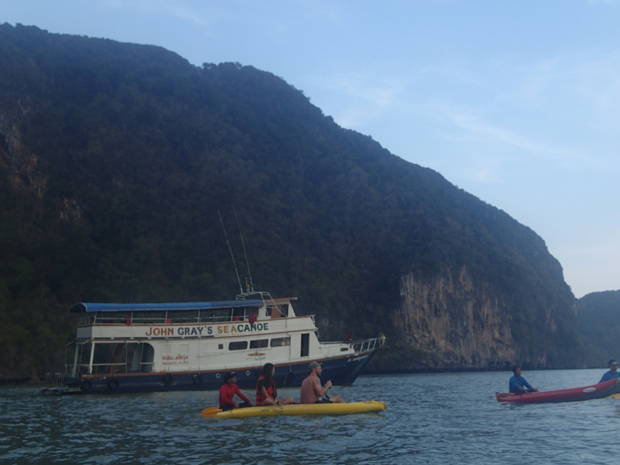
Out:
{"x": 189, "y": 319}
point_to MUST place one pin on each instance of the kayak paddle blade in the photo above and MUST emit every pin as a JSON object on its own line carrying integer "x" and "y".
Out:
{"x": 209, "y": 412}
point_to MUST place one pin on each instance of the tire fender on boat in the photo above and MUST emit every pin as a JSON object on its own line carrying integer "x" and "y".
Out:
{"x": 167, "y": 379}
{"x": 197, "y": 380}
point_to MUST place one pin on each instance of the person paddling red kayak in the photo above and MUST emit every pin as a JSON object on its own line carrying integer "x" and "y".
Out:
{"x": 518, "y": 384}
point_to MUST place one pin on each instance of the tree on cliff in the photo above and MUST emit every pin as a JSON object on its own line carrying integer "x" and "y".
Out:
{"x": 115, "y": 159}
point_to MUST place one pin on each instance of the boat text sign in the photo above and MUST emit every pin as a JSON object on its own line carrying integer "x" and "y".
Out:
{"x": 205, "y": 330}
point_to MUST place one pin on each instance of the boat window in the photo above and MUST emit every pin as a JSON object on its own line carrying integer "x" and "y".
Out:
{"x": 278, "y": 311}
{"x": 149, "y": 317}
{"x": 258, "y": 343}
{"x": 185, "y": 316}
{"x": 146, "y": 362}
{"x": 122, "y": 357}
{"x": 237, "y": 314}
{"x": 251, "y": 312}
{"x": 211, "y": 315}
{"x": 83, "y": 358}
{"x": 305, "y": 345}
{"x": 102, "y": 357}
{"x": 112, "y": 317}
{"x": 280, "y": 341}
{"x": 139, "y": 359}
{"x": 238, "y": 345}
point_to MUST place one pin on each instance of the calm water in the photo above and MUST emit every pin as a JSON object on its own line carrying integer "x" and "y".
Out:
{"x": 431, "y": 419}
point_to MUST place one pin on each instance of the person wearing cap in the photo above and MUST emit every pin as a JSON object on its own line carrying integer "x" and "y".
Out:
{"x": 613, "y": 371}
{"x": 228, "y": 392}
{"x": 312, "y": 391}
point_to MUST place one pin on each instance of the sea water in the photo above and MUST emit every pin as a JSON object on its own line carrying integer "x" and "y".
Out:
{"x": 431, "y": 419}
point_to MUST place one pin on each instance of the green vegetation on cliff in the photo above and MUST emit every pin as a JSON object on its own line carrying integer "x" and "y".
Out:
{"x": 598, "y": 316}
{"x": 116, "y": 158}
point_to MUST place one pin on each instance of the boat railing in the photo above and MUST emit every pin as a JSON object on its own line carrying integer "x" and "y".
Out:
{"x": 54, "y": 379}
{"x": 85, "y": 321}
{"x": 113, "y": 368}
{"x": 369, "y": 344}
{"x": 170, "y": 319}
{"x": 359, "y": 346}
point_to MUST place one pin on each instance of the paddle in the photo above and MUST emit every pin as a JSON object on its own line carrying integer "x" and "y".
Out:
{"x": 209, "y": 412}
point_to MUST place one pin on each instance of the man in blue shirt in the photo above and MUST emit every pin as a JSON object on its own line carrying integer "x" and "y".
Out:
{"x": 518, "y": 384}
{"x": 612, "y": 373}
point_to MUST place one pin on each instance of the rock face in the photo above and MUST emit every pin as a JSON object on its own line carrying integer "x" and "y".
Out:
{"x": 598, "y": 315}
{"x": 456, "y": 321}
{"x": 115, "y": 160}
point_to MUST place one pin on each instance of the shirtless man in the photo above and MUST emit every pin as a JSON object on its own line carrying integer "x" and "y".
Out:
{"x": 311, "y": 389}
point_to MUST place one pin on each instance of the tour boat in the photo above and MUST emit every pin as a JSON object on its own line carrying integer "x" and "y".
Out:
{"x": 297, "y": 409}
{"x": 594, "y": 391}
{"x": 190, "y": 346}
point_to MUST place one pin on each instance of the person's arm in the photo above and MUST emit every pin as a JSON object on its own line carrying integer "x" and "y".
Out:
{"x": 264, "y": 392}
{"x": 516, "y": 385}
{"x": 321, "y": 390}
{"x": 528, "y": 386}
{"x": 240, "y": 394}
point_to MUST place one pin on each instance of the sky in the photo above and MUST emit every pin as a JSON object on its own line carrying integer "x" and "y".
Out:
{"x": 516, "y": 102}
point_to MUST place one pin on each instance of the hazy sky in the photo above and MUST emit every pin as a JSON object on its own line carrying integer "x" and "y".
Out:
{"x": 516, "y": 102}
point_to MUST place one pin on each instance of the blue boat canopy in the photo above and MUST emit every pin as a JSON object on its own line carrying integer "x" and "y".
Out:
{"x": 98, "y": 307}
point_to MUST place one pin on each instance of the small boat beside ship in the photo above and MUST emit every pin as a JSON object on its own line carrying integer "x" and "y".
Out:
{"x": 297, "y": 409}
{"x": 594, "y": 391}
{"x": 190, "y": 346}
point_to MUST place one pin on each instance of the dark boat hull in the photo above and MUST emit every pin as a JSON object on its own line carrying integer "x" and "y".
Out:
{"x": 594, "y": 391}
{"x": 341, "y": 371}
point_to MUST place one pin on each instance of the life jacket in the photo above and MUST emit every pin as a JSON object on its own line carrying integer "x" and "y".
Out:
{"x": 271, "y": 390}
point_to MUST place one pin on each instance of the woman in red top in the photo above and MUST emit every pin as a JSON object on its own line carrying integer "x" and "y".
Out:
{"x": 266, "y": 392}
{"x": 228, "y": 391}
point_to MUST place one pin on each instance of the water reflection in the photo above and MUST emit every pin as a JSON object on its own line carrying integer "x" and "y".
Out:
{"x": 437, "y": 419}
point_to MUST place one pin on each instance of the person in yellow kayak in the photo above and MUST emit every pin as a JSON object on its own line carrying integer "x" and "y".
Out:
{"x": 228, "y": 392}
{"x": 312, "y": 391}
{"x": 266, "y": 392}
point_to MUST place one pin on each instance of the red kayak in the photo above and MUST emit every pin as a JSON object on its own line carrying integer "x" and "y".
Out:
{"x": 595, "y": 391}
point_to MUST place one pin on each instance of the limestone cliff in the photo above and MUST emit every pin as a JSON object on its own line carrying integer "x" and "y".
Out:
{"x": 115, "y": 160}
{"x": 453, "y": 321}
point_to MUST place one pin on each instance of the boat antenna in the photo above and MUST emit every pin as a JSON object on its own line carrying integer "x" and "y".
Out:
{"x": 251, "y": 285}
{"x": 231, "y": 253}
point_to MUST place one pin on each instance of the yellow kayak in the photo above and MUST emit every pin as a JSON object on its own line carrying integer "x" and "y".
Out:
{"x": 297, "y": 409}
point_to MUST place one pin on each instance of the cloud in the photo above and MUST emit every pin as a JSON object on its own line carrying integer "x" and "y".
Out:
{"x": 480, "y": 130}
{"x": 362, "y": 97}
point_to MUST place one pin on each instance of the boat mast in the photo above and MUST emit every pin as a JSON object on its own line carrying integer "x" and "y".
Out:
{"x": 250, "y": 287}
{"x": 231, "y": 252}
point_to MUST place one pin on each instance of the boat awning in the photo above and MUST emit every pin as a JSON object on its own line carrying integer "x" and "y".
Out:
{"x": 178, "y": 306}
